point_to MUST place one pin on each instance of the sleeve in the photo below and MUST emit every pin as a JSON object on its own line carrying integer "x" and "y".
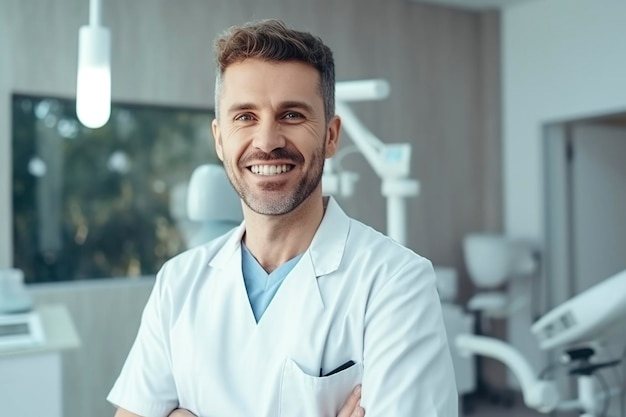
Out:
{"x": 146, "y": 385}
{"x": 407, "y": 364}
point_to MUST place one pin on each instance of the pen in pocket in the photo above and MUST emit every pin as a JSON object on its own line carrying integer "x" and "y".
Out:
{"x": 338, "y": 369}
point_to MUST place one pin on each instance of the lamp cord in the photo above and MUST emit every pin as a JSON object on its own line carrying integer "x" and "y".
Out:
{"x": 623, "y": 387}
{"x": 546, "y": 372}
{"x": 95, "y": 12}
{"x": 607, "y": 394}
{"x": 537, "y": 302}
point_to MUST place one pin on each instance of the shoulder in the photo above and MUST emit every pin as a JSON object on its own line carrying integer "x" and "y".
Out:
{"x": 193, "y": 263}
{"x": 382, "y": 261}
{"x": 201, "y": 253}
{"x": 364, "y": 241}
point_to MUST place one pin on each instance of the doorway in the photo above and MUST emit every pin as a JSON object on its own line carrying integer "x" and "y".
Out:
{"x": 585, "y": 168}
{"x": 585, "y": 215}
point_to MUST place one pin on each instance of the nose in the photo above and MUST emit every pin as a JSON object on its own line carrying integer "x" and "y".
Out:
{"x": 268, "y": 137}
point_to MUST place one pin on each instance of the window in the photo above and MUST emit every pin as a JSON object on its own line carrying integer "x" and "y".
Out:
{"x": 108, "y": 202}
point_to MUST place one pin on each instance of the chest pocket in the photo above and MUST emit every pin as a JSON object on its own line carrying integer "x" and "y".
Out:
{"x": 305, "y": 395}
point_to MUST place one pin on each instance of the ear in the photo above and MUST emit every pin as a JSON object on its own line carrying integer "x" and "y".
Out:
{"x": 217, "y": 137}
{"x": 333, "y": 132}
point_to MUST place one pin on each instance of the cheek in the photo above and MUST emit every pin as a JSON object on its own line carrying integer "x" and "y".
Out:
{"x": 232, "y": 151}
{"x": 316, "y": 143}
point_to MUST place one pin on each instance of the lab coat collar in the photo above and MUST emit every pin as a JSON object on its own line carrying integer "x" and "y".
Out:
{"x": 329, "y": 242}
{"x": 231, "y": 246}
{"x": 326, "y": 249}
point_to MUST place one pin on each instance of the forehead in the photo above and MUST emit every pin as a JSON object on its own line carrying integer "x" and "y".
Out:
{"x": 255, "y": 80}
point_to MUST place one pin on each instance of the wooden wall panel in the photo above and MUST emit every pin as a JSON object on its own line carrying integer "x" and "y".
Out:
{"x": 491, "y": 152}
{"x": 106, "y": 314}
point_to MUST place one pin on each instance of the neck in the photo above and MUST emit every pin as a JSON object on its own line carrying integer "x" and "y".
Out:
{"x": 273, "y": 240}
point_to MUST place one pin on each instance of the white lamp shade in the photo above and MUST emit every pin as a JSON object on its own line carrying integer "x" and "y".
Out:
{"x": 362, "y": 90}
{"x": 211, "y": 197}
{"x": 93, "y": 87}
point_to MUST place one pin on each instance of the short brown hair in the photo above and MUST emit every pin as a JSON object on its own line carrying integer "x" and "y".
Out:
{"x": 271, "y": 40}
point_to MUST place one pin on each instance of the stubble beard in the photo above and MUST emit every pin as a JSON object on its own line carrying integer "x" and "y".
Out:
{"x": 275, "y": 205}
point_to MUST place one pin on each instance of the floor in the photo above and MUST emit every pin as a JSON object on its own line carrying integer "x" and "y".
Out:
{"x": 485, "y": 409}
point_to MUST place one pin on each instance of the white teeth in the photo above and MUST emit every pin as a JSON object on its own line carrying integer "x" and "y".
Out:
{"x": 269, "y": 169}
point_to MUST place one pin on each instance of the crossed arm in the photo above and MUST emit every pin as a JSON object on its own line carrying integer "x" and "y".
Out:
{"x": 351, "y": 408}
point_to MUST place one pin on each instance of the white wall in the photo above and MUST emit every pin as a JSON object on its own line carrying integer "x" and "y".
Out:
{"x": 562, "y": 60}
{"x": 6, "y": 218}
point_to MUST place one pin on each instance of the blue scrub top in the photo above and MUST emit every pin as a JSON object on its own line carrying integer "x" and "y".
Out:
{"x": 260, "y": 285}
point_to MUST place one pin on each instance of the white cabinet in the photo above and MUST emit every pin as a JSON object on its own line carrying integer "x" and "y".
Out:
{"x": 458, "y": 322}
{"x": 31, "y": 378}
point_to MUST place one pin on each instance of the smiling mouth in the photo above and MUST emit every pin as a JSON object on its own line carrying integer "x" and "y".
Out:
{"x": 268, "y": 170}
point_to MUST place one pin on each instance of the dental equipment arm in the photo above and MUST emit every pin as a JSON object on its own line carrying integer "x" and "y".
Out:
{"x": 588, "y": 316}
{"x": 391, "y": 162}
{"x": 585, "y": 316}
{"x": 538, "y": 394}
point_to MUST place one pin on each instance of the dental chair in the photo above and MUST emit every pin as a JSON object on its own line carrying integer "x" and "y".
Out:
{"x": 492, "y": 260}
{"x": 212, "y": 202}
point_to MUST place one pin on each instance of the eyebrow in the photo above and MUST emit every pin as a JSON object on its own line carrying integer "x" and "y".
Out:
{"x": 283, "y": 106}
{"x": 241, "y": 106}
{"x": 297, "y": 105}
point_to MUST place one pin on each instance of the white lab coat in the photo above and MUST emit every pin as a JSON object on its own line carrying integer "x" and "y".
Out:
{"x": 354, "y": 295}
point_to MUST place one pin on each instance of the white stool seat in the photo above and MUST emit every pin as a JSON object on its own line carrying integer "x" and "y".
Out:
{"x": 490, "y": 304}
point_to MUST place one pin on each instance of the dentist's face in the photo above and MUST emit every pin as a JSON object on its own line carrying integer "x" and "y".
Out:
{"x": 271, "y": 133}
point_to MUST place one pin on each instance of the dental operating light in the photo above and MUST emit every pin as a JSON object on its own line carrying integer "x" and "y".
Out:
{"x": 93, "y": 84}
{"x": 390, "y": 161}
{"x": 362, "y": 90}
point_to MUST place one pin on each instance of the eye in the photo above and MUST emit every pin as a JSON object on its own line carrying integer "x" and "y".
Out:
{"x": 292, "y": 115}
{"x": 245, "y": 117}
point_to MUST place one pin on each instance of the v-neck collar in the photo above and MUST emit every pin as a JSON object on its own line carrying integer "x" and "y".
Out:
{"x": 326, "y": 249}
{"x": 300, "y": 287}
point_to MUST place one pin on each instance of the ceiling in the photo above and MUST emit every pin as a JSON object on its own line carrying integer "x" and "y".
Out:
{"x": 477, "y": 5}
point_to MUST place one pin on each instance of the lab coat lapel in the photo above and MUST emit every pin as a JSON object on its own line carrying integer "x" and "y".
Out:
{"x": 299, "y": 300}
{"x": 223, "y": 258}
{"x": 298, "y": 291}
{"x": 329, "y": 243}
{"x": 227, "y": 261}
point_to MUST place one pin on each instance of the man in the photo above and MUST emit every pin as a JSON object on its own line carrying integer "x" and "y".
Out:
{"x": 301, "y": 309}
